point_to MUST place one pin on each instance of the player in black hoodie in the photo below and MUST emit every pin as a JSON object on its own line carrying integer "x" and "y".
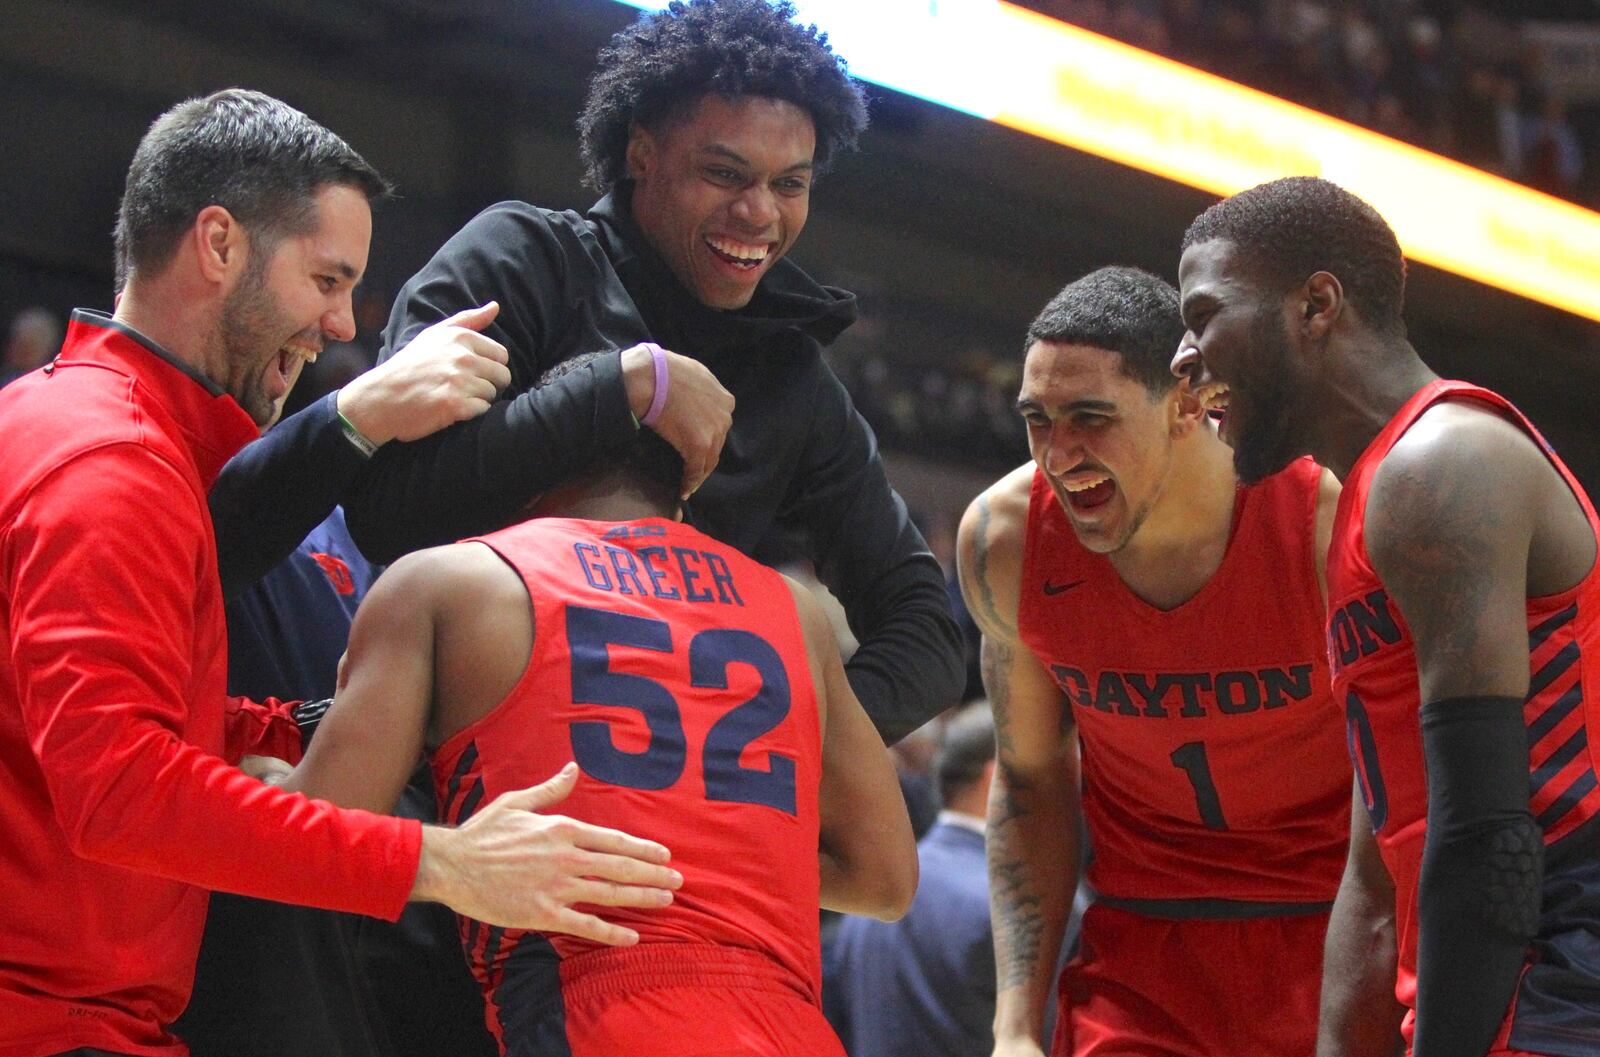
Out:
{"x": 705, "y": 127}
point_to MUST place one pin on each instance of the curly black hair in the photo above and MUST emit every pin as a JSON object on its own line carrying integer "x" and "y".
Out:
{"x": 1122, "y": 310}
{"x": 669, "y": 60}
{"x": 1300, "y": 225}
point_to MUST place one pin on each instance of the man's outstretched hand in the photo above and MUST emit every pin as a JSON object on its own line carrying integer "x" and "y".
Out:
{"x": 510, "y": 866}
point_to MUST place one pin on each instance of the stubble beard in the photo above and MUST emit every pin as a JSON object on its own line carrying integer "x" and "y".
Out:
{"x": 249, "y": 320}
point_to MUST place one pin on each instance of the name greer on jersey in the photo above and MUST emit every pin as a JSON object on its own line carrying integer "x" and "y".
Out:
{"x": 685, "y": 574}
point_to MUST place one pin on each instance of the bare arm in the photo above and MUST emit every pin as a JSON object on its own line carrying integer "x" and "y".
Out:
{"x": 369, "y": 742}
{"x": 1360, "y": 1015}
{"x": 866, "y": 851}
{"x": 508, "y": 864}
{"x": 1034, "y": 807}
{"x": 1449, "y": 524}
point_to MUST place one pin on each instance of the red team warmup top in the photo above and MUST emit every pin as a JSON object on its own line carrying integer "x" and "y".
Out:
{"x": 1212, "y": 763}
{"x": 1557, "y": 1005}
{"x": 674, "y": 671}
{"x": 113, "y": 710}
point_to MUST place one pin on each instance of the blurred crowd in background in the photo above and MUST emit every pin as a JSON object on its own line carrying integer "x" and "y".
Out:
{"x": 1505, "y": 94}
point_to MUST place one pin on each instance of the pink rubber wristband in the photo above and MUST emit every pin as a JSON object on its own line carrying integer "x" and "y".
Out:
{"x": 658, "y": 359}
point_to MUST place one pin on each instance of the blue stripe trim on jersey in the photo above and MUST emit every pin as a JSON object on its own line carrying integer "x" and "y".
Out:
{"x": 1556, "y": 760}
{"x": 1543, "y": 631}
{"x": 469, "y": 757}
{"x": 1553, "y": 669}
{"x": 470, "y": 804}
{"x": 1211, "y": 909}
{"x": 1568, "y": 800}
{"x": 1551, "y": 717}
{"x": 491, "y": 950}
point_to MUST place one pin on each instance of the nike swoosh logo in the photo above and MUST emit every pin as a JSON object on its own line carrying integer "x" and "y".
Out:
{"x": 1056, "y": 589}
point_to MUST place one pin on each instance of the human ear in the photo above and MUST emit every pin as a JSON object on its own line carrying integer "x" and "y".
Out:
{"x": 1185, "y": 409}
{"x": 1323, "y": 304}
{"x": 641, "y": 152}
{"x": 218, "y": 242}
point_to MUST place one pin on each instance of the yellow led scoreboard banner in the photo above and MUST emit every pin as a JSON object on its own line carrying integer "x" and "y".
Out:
{"x": 1025, "y": 70}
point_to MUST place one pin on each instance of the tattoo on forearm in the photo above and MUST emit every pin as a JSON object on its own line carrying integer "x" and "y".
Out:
{"x": 1016, "y": 902}
{"x": 994, "y": 662}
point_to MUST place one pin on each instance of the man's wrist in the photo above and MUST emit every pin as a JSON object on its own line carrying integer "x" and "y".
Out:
{"x": 638, "y": 380}
{"x": 434, "y": 868}
{"x": 1012, "y": 1020}
{"x": 356, "y": 420}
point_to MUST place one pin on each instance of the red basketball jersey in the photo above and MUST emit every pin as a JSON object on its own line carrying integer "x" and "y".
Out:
{"x": 674, "y": 671}
{"x": 1375, "y": 681}
{"x": 1213, "y": 764}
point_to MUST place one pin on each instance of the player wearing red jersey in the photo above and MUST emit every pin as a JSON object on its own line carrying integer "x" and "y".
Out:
{"x": 1142, "y": 609}
{"x": 701, "y": 694}
{"x": 1462, "y": 630}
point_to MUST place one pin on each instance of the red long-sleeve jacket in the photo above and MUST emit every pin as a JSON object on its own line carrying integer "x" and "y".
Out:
{"x": 117, "y": 810}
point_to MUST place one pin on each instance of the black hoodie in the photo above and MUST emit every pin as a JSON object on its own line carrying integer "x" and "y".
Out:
{"x": 798, "y": 464}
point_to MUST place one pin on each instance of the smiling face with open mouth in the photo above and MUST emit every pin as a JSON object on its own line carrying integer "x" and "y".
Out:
{"x": 722, "y": 191}
{"x": 1102, "y": 438}
{"x": 294, "y": 295}
{"x": 1237, "y": 358}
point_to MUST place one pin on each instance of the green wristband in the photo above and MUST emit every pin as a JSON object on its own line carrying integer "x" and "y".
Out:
{"x": 360, "y": 440}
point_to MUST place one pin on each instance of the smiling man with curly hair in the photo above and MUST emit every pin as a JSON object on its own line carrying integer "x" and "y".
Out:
{"x": 705, "y": 128}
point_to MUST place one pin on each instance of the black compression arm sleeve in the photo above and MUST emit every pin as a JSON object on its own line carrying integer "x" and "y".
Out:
{"x": 1482, "y": 865}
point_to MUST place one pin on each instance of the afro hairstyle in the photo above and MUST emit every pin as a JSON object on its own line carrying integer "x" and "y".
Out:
{"x": 665, "y": 62}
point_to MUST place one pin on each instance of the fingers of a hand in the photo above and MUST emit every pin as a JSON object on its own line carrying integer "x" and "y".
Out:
{"x": 614, "y": 842}
{"x": 473, "y": 387}
{"x": 607, "y": 894}
{"x": 695, "y": 472}
{"x": 482, "y": 347}
{"x": 589, "y": 927}
{"x": 497, "y": 374}
{"x": 479, "y": 374}
{"x": 550, "y": 791}
{"x": 708, "y": 452}
{"x": 469, "y": 407}
{"x": 473, "y": 318}
{"x": 692, "y": 480}
{"x": 486, "y": 347}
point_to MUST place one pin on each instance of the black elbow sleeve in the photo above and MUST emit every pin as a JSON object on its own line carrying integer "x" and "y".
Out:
{"x": 1480, "y": 887}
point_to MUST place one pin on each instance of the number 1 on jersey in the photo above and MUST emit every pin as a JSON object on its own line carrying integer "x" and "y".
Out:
{"x": 1191, "y": 759}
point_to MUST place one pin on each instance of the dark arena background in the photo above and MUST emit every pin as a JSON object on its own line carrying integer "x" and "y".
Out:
{"x": 1014, "y": 147}
{"x": 953, "y": 230}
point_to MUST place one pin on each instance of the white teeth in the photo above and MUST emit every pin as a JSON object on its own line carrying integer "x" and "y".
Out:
{"x": 1084, "y": 485}
{"x": 1213, "y": 396}
{"x": 309, "y": 355}
{"x": 745, "y": 252}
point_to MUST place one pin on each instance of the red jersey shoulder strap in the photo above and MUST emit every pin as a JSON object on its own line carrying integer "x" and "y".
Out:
{"x": 1352, "y": 505}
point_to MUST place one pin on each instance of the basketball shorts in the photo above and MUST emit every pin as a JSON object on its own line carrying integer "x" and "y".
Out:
{"x": 689, "y": 1000}
{"x": 1145, "y": 986}
{"x": 1500, "y": 1047}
